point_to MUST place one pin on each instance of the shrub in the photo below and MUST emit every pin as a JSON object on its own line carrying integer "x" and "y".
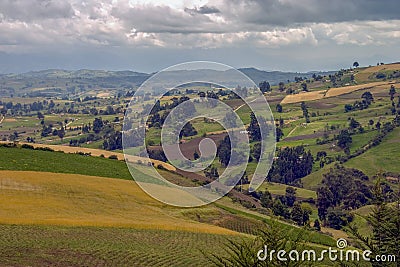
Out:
{"x": 160, "y": 167}
{"x": 27, "y": 146}
{"x": 113, "y": 157}
{"x": 45, "y": 149}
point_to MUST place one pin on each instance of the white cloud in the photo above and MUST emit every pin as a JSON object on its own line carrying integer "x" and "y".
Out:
{"x": 39, "y": 26}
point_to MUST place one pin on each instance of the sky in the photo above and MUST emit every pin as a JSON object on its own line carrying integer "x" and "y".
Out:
{"x": 150, "y": 35}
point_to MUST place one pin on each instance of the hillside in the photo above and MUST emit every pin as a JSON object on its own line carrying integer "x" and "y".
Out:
{"x": 80, "y": 83}
{"x": 64, "y": 171}
{"x": 72, "y": 199}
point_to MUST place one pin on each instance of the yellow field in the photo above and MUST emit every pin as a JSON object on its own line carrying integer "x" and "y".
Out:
{"x": 317, "y": 95}
{"x": 395, "y": 66}
{"x": 103, "y": 95}
{"x": 70, "y": 199}
{"x": 304, "y": 96}
{"x": 364, "y": 74}
{"x": 349, "y": 89}
{"x": 98, "y": 152}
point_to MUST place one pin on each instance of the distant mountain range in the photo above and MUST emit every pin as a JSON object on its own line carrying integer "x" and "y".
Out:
{"x": 56, "y": 82}
{"x": 273, "y": 77}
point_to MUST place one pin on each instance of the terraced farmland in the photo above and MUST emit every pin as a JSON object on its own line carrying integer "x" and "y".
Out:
{"x": 25, "y": 245}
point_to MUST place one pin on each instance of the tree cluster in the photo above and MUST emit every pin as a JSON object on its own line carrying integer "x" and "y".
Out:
{"x": 342, "y": 189}
{"x": 286, "y": 206}
{"x": 366, "y": 100}
{"x": 291, "y": 164}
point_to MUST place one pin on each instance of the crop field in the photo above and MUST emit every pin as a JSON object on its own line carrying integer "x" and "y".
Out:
{"x": 332, "y": 92}
{"x": 306, "y": 96}
{"x": 349, "y": 89}
{"x": 26, "y": 245}
{"x": 65, "y": 199}
{"x": 368, "y": 73}
{"x": 78, "y": 205}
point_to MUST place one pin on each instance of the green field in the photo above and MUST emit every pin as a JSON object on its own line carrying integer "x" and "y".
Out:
{"x": 382, "y": 158}
{"x": 62, "y": 209}
{"x": 90, "y": 246}
{"x": 280, "y": 189}
{"x": 19, "y": 159}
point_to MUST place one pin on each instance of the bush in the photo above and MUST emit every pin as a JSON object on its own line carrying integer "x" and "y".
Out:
{"x": 27, "y": 146}
{"x": 45, "y": 149}
{"x": 160, "y": 167}
{"x": 8, "y": 145}
{"x": 380, "y": 75}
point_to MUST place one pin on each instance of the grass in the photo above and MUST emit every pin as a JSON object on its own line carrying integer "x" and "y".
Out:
{"x": 204, "y": 128}
{"x": 153, "y": 135}
{"x": 310, "y": 128}
{"x": 313, "y": 180}
{"x": 19, "y": 159}
{"x": 244, "y": 114}
{"x": 94, "y": 246}
{"x": 360, "y": 140}
{"x": 75, "y": 200}
{"x": 280, "y": 189}
{"x": 383, "y": 157}
{"x": 101, "y": 153}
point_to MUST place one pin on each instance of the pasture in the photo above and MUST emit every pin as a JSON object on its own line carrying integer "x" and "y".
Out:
{"x": 382, "y": 158}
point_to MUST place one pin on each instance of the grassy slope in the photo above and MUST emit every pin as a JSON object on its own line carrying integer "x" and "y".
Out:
{"x": 280, "y": 189}
{"x": 381, "y": 158}
{"x": 71, "y": 199}
{"x": 19, "y": 159}
{"x": 45, "y": 161}
{"x": 89, "y": 246}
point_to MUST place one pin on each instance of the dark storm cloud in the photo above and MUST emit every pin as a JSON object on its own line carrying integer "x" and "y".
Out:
{"x": 203, "y": 10}
{"x": 29, "y": 10}
{"x": 289, "y": 12}
{"x": 302, "y": 34}
{"x": 163, "y": 19}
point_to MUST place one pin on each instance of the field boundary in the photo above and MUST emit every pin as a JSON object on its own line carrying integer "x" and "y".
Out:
{"x": 332, "y": 92}
{"x": 95, "y": 153}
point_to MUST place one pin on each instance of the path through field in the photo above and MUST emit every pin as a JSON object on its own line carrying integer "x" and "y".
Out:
{"x": 239, "y": 107}
{"x": 294, "y": 129}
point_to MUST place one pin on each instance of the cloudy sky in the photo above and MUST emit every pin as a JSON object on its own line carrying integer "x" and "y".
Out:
{"x": 149, "y": 35}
